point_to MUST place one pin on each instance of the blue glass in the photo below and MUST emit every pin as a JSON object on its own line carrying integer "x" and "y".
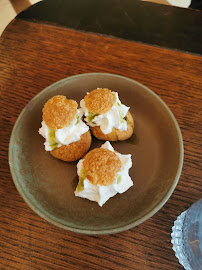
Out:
{"x": 187, "y": 237}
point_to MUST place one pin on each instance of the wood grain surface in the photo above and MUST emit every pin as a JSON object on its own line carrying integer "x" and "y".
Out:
{"x": 33, "y": 56}
{"x": 134, "y": 20}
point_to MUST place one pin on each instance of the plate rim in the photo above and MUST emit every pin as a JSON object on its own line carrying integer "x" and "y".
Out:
{"x": 133, "y": 224}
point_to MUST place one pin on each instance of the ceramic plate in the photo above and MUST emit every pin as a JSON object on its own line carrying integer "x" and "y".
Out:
{"x": 48, "y": 184}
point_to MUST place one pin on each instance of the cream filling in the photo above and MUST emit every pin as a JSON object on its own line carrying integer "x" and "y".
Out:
{"x": 101, "y": 194}
{"x": 64, "y": 136}
{"x": 115, "y": 118}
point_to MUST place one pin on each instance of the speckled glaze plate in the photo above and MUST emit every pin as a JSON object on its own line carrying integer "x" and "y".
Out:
{"x": 48, "y": 184}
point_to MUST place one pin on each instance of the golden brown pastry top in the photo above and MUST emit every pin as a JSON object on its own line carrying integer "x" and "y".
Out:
{"x": 99, "y": 100}
{"x": 101, "y": 166}
{"x": 59, "y": 111}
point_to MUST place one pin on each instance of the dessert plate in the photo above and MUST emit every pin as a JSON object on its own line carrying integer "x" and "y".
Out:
{"x": 48, "y": 184}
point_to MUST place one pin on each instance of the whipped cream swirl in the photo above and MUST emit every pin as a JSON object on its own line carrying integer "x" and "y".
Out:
{"x": 64, "y": 136}
{"x": 115, "y": 118}
{"x": 99, "y": 193}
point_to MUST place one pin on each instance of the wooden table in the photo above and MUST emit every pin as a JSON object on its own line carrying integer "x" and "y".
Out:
{"x": 47, "y": 43}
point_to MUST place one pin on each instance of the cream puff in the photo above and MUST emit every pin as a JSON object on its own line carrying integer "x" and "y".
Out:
{"x": 103, "y": 173}
{"x": 67, "y": 137}
{"x": 107, "y": 117}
